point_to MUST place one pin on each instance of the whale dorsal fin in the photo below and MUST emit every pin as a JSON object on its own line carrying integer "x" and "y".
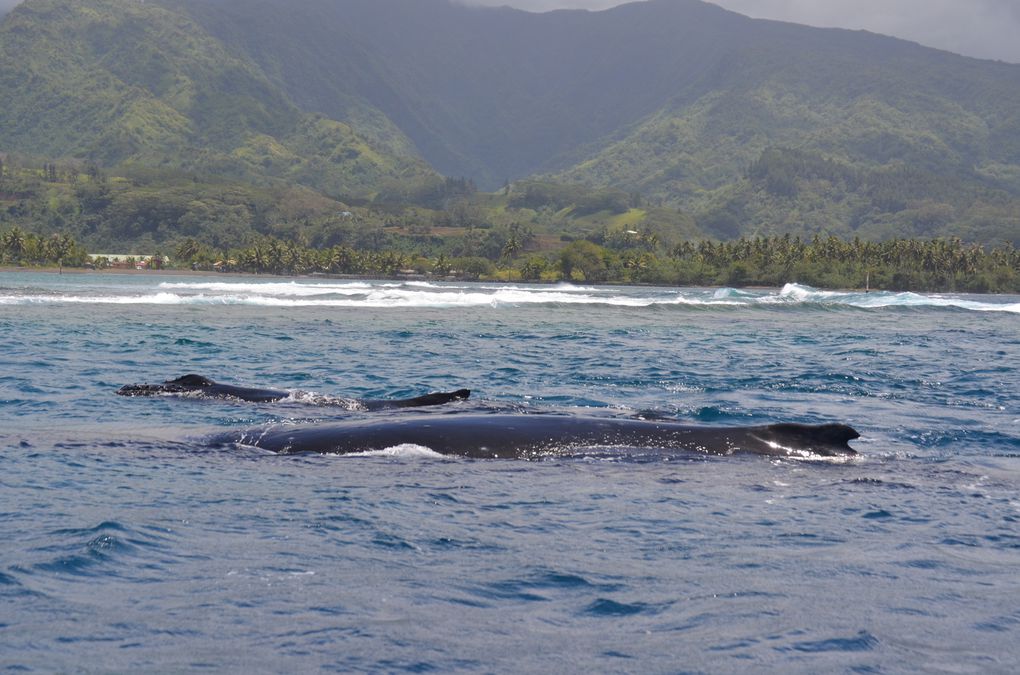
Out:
{"x": 192, "y": 380}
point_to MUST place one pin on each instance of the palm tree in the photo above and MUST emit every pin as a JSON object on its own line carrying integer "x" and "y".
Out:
{"x": 441, "y": 266}
{"x": 187, "y": 250}
{"x": 510, "y": 249}
{"x": 14, "y": 244}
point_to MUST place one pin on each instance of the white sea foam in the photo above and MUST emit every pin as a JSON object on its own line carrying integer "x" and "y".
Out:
{"x": 798, "y": 294}
{"x": 405, "y": 450}
{"x": 421, "y": 294}
{"x": 314, "y": 398}
{"x": 290, "y": 288}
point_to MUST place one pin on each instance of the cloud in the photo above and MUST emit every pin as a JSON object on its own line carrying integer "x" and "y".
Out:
{"x": 981, "y": 28}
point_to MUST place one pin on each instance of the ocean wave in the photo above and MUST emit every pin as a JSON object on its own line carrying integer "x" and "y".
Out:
{"x": 417, "y": 294}
{"x": 109, "y": 549}
{"x": 799, "y": 294}
{"x": 286, "y": 289}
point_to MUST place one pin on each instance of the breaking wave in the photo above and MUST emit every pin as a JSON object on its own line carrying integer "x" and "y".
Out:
{"x": 415, "y": 294}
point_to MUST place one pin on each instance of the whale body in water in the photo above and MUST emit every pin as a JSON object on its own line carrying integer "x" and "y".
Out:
{"x": 206, "y": 388}
{"x": 525, "y": 436}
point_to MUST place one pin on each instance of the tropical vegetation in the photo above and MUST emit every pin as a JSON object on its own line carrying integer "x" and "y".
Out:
{"x": 920, "y": 265}
{"x": 664, "y": 141}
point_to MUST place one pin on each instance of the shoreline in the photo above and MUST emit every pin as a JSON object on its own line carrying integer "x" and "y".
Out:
{"x": 364, "y": 277}
{"x": 115, "y": 270}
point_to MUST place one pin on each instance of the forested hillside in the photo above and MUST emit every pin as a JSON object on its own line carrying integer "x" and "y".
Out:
{"x": 514, "y": 92}
{"x": 670, "y": 99}
{"x": 119, "y": 82}
{"x": 671, "y": 117}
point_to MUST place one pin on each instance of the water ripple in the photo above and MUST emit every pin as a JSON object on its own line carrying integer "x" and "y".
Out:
{"x": 862, "y": 642}
{"x": 131, "y": 545}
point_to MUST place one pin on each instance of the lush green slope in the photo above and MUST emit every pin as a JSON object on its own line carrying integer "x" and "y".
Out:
{"x": 494, "y": 94}
{"x": 847, "y": 133}
{"x": 122, "y": 82}
{"x": 631, "y": 94}
{"x": 55, "y": 213}
{"x": 748, "y": 126}
{"x": 673, "y": 99}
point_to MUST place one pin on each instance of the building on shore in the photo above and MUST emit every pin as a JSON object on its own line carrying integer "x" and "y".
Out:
{"x": 129, "y": 261}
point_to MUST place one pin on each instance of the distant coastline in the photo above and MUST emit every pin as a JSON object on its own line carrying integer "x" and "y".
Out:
{"x": 79, "y": 271}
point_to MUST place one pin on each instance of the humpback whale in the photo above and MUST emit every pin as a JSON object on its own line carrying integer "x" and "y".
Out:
{"x": 197, "y": 384}
{"x": 526, "y": 436}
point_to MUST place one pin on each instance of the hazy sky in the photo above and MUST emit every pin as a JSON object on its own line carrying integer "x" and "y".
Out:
{"x": 984, "y": 28}
{"x": 987, "y": 29}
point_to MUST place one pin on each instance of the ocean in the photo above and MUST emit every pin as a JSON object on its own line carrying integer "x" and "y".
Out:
{"x": 132, "y": 544}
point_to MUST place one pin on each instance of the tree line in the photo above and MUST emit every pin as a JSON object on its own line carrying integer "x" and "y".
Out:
{"x": 944, "y": 264}
{"x": 25, "y": 248}
{"x": 933, "y": 265}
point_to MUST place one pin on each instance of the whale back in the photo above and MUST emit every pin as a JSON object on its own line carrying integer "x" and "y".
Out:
{"x": 828, "y": 440}
{"x": 435, "y": 398}
{"x": 206, "y": 388}
{"x": 191, "y": 380}
{"x": 525, "y": 436}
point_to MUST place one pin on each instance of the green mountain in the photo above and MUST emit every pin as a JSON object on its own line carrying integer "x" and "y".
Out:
{"x": 673, "y": 99}
{"x": 512, "y": 92}
{"x": 751, "y": 126}
{"x": 119, "y": 82}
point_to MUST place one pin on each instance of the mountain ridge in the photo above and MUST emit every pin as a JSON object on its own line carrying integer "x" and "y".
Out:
{"x": 578, "y": 78}
{"x": 674, "y": 100}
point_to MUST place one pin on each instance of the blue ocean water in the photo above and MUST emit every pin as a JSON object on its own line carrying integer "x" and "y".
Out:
{"x": 130, "y": 544}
